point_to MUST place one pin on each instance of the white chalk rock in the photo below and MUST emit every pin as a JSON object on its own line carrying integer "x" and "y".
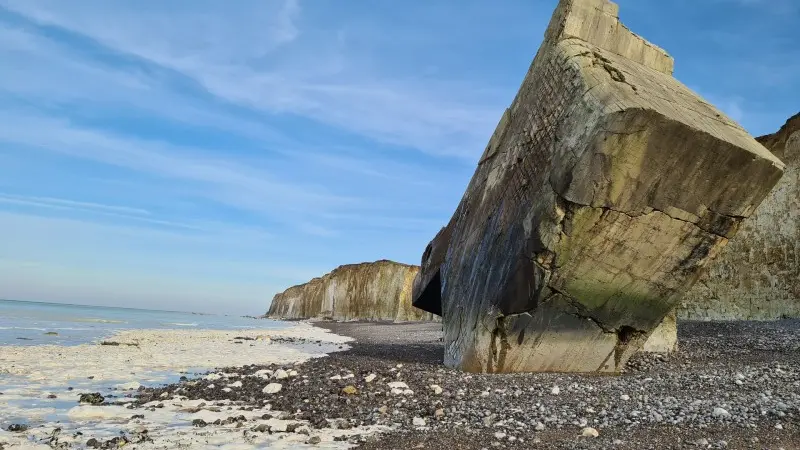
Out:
{"x": 720, "y": 412}
{"x": 590, "y": 432}
{"x": 272, "y": 388}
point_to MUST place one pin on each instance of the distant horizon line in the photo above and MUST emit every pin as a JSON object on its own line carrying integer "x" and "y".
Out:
{"x": 103, "y": 306}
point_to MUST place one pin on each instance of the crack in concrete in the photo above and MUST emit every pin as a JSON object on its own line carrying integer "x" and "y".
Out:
{"x": 635, "y": 216}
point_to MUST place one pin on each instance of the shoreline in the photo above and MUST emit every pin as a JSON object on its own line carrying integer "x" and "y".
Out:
{"x": 732, "y": 385}
{"x": 40, "y": 386}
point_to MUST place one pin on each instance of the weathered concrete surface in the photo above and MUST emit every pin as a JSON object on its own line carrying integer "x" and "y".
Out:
{"x": 664, "y": 339}
{"x": 604, "y": 190}
{"x": 368, "y": 291}
{"x": 758, "y": 276}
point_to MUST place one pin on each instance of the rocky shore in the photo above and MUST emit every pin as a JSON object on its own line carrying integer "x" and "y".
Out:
{"x": 731, "y": 385}
{"x": 85, "y": 396}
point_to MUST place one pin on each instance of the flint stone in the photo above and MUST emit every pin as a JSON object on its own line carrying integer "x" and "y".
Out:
{"x": 605, "y": 190}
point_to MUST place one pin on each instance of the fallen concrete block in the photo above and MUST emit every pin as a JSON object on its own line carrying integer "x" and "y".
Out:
{"x": 605, "y": 189}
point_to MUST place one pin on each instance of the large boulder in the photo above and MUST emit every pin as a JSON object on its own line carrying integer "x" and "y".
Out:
{"x": 379, "y": 291}
{"x": 758, "y": 275}
{"x": 604, "y": 190}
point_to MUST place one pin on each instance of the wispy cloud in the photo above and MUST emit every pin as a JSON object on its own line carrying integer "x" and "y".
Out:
{"x": 271, "y": 68}
{"x": 49, "y": 202}
{"x": 223, "y": 180}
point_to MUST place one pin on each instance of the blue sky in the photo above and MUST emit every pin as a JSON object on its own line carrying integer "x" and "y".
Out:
{"x": 204, "y": 155}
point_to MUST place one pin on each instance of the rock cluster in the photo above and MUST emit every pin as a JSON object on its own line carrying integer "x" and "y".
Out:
{"x": 378, "y": 291}
{"x": 605, "y": 189}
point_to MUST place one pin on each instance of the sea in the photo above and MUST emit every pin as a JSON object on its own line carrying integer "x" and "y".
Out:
{"x": 39, "y": 323}
{"x": 27, "y": 324}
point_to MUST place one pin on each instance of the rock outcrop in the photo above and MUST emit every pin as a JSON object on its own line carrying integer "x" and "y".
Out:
{"x": 758, "y": 275}
{"x": 605, "y": 189}
{"x": 370, "y": 291}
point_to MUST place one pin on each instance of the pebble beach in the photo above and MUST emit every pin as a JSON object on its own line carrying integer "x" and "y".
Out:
{"x": 382, "y": 386}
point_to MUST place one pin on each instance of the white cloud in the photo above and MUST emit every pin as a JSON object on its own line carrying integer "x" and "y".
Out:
{"x": 252, "y": 54}
{"x": 223, "y": 180}
{"x": 49, "y": 202}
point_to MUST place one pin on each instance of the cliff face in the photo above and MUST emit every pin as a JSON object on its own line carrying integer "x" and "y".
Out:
{"x": 757, "y": 277}
{"x": 368, "y": 291}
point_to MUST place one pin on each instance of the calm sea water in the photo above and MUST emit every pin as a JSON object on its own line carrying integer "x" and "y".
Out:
{"x": 27, "y": 323}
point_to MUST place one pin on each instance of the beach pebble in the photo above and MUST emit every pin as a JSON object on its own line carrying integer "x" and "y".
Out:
{"x": 92, "y": 399}
{"x": 556, "y": 390}
{"x": 539, "y": 426}
{"x": 335, "y": 377}
{"x": 17, "y": 428}
{"x": 350, "y": 390}
{"x": 437, "y": 390}
{"x": 418, "y": 422}
{"x": 281, "y": 374}
{"x": 314, "y": 440}
{"x": 272, "y": 388}
{"x": 590, "y": 432}
{"x": 213, "y": 377}
{"x": 370, "y": 378}
{"x": 398, "y": 385}
{"x": 237, "y": 384}
{"x": 720, "y": 413}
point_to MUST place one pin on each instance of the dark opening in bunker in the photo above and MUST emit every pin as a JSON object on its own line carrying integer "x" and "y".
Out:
{"x": 431, "y": 298}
